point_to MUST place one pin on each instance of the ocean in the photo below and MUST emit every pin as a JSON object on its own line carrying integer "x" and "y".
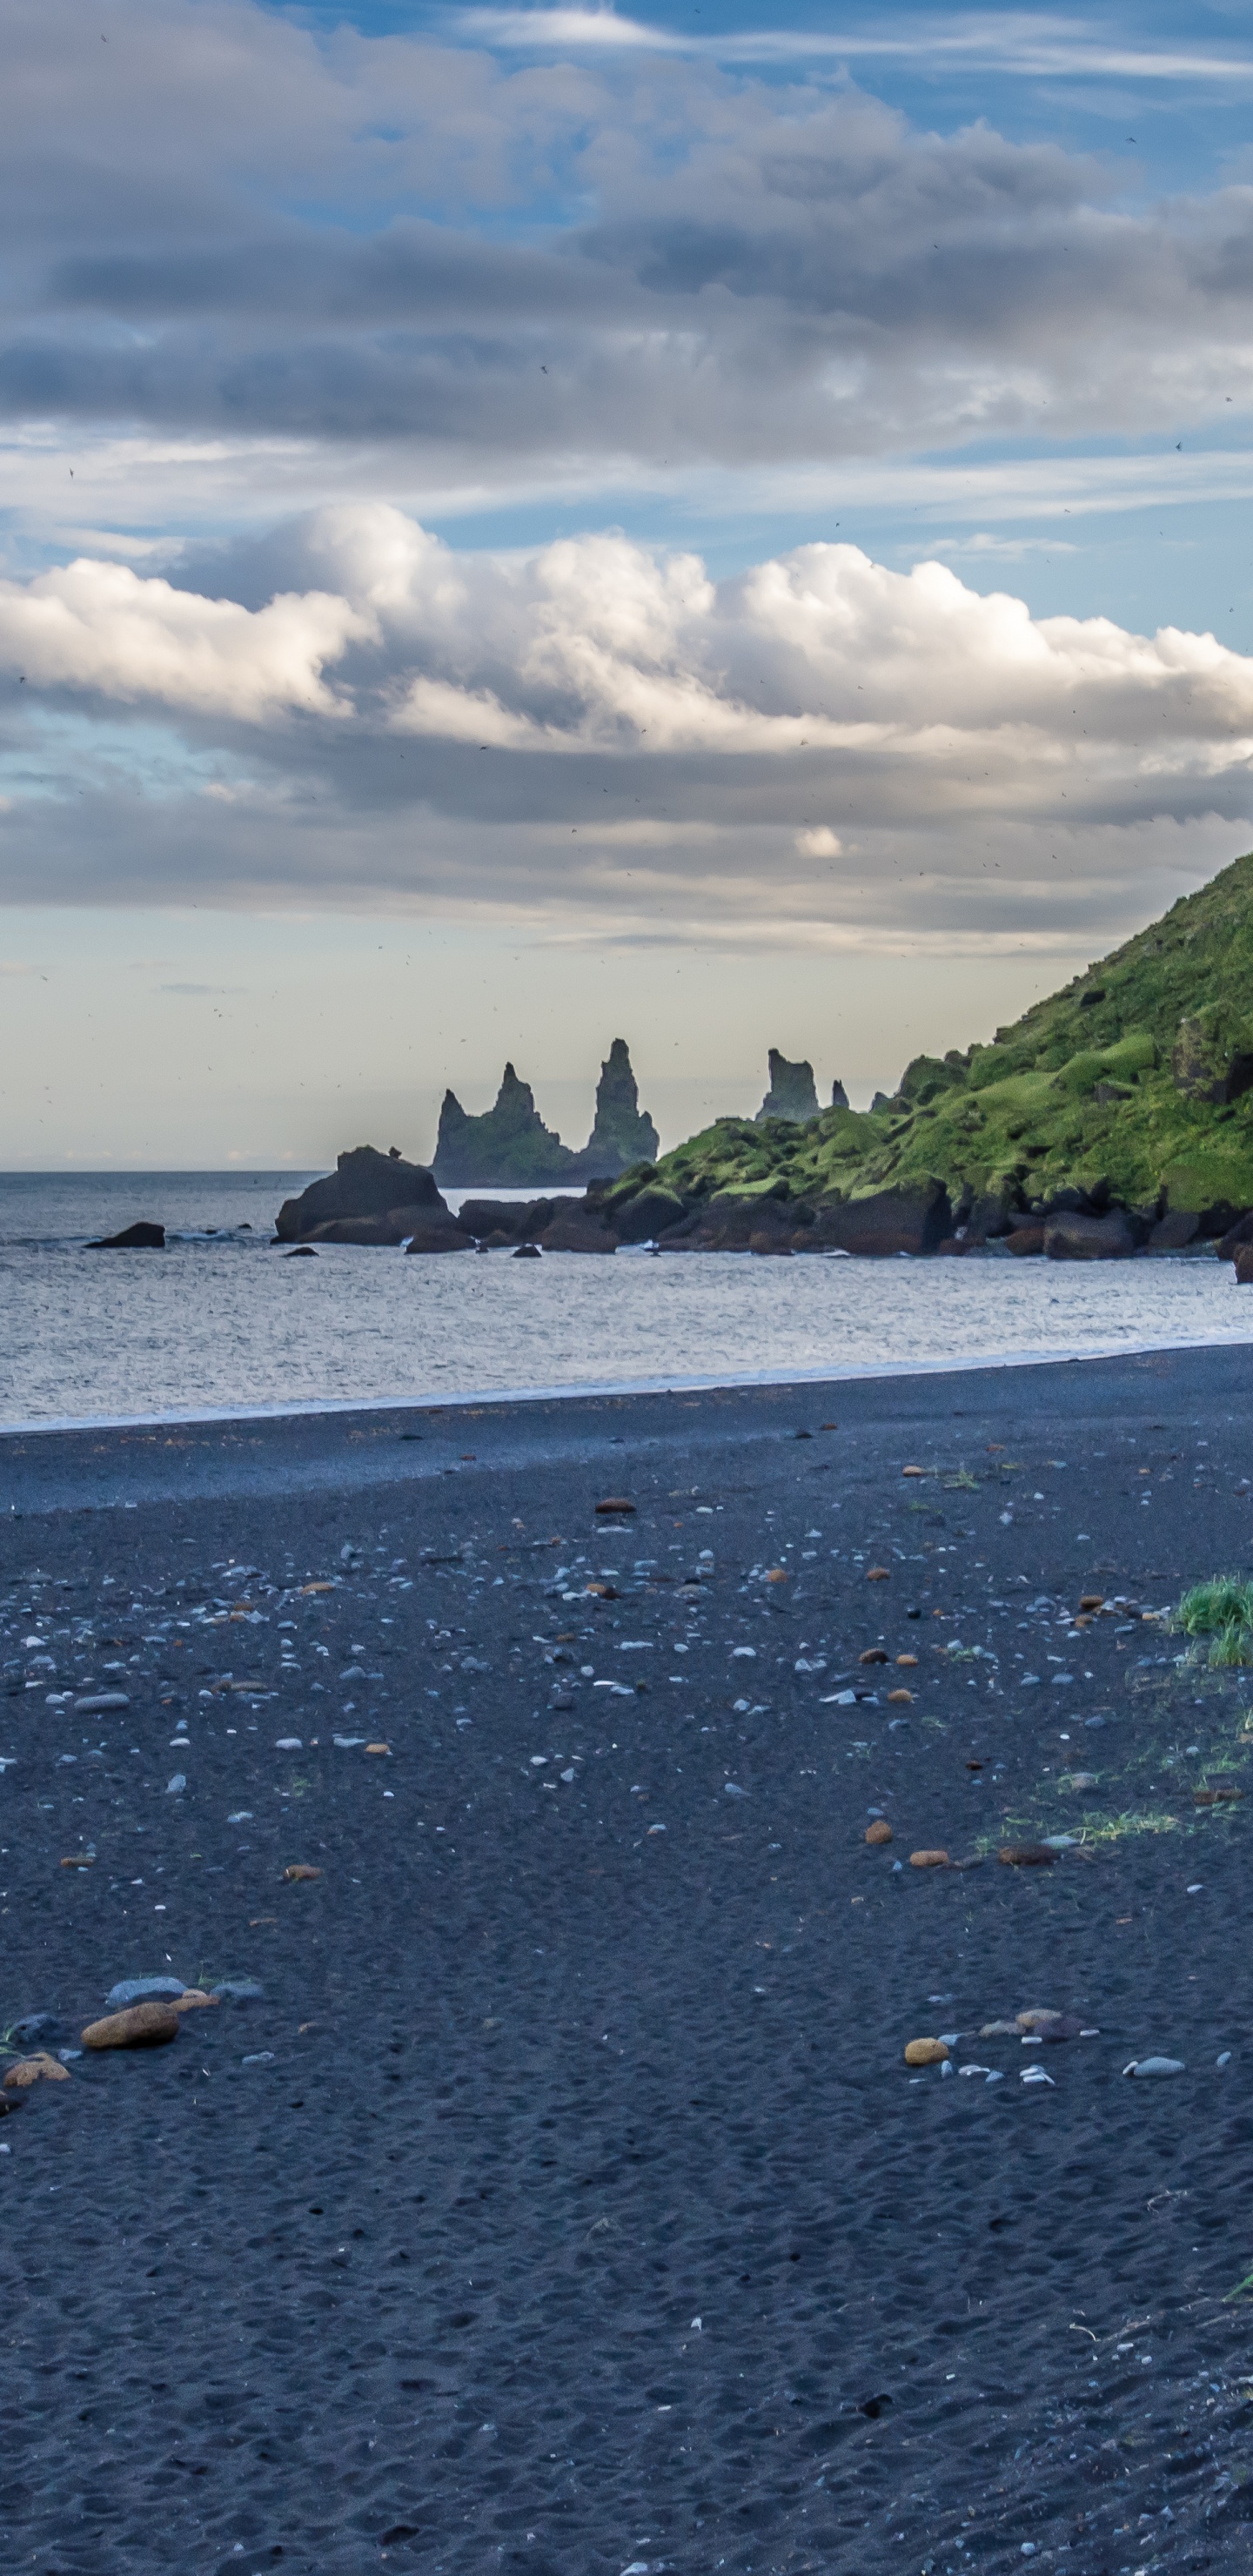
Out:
{"x": 220, "y": 1323}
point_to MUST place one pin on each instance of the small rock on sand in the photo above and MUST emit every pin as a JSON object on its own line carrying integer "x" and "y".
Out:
{"x": 880, "y": 1832}
{"x": 873, "y": 1655}
{"x": 926, "y": 2052}
{"x": 615, "y": 1503}
{"x": 95, "y": 1703}
{"x": 929, "y": 1860}
{"x": 1027, "y": 1856}
{"x": 141, "y": 2026}
{"x": 138, "y": 1990}
{"x": 35, "y": 2070}
{"x": 298, "y": 1869}
{"x": 1155, "y": 2066}
{"x": 903, "y": 1698}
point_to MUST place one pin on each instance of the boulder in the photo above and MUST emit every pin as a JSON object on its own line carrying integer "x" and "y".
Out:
{"x": 1174, "y": 1231}
{"x": 364, "y": 1184}
{"x": 1244, "y": 1266}
{"x": 914, "y": 1220}
{"x": 1072, "y": 1237}
{"x": 1240, "y": 1233}
{"x": 727, "y": 1223}
{"x": 578, "y": 1229}
{"x": 792, "y": 1093}
{"x": 427, "y": 1231}
{"x": 647, "y": 1216}
{"x": 1026, "y": 1239}
{"x": 135, "y": 1238}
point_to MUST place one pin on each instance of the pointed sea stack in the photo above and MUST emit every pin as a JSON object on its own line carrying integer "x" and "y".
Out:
{"x": 509, "y": 1147}
{"x": 792, "y": 1093}
{"x": 623, "y": 1133}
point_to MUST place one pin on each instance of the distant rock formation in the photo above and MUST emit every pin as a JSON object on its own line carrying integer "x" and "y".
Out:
{"x": 372, "y": 1198}
{"x": 509, "y": 1147}
{"x": 623, "y": 1133}
{"x": 135, "y": 1238}
{"x": 791, "y": 1094}
{"x": 839, "y": 1096}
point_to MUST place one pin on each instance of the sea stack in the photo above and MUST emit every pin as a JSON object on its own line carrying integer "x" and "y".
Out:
{"x": 792, "y": 1093}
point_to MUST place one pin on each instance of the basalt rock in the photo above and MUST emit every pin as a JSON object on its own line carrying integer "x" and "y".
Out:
{"x": 364, "y": 1187}
{"x": 578, "y": 1228}
{"x": 509, "y": 1145}
{"x": 135, "y": 1238}
{"x": 792, "y": 1093}
{"x": 1071, "y": 1236}
{"x": 915, "y": 1221}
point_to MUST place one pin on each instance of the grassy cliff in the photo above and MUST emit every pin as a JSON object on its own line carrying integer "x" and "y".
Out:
{"x": 1138, "y": 1075}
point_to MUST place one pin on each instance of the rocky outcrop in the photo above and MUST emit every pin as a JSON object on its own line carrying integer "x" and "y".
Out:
{"x": 792, "y": 1094}
{"x": 839, "y": 1096}
{"x": 1072, "y": 1236}
{"x": 915, "y": 1221}
{"x": 623, "y": 1133}
{"x": 136, "y": 1238}
{"x": 370, "y": 1198}
{"x": 509, "y": 1146}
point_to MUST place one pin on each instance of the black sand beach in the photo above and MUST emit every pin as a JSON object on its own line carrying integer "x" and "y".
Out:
{"x": 563, "y": 2204}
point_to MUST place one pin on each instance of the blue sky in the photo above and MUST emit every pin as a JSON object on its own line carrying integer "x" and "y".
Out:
{"x": 724, "y": 526}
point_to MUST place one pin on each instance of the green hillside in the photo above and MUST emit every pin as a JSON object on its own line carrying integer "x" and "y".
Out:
{"x": 1139, "y": 1075}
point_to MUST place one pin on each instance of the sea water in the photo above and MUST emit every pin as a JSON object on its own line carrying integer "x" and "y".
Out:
{"x": 220, "y": 1321}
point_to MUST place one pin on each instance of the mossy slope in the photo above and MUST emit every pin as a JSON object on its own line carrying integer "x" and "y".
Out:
{"x": 1139, "y": 1075}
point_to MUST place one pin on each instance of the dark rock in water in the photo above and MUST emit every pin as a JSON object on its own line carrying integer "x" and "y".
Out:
{"x": 434, "y": 1233}
{"x": 1026, "y": 1239}
{"x": 889, "y": 1221}
{"x": 578, "y": 1228}
{"x": 728, "y": 1221}
{"x": 792, "y": 1093}
{"x": 528, "y": 1252}
{"x": 1244, "y": 1266}
{"x": 136, "y": 1238}
{"x": 1240, "y": 1232}
{"x": 301, "y": 1252}
{"x": 1174, "y": 1231}
{"x": 1072, "y": 1237}
{"x": 507, "y": 1220}
{"x": 648, "y": 1215}
{"x": 364, "y": 1186}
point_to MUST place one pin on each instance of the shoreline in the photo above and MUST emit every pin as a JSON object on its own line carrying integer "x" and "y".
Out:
{"x": 460, "y": 1399}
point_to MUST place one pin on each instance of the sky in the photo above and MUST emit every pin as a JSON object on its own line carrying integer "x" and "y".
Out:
{"x": 724, "y": 526}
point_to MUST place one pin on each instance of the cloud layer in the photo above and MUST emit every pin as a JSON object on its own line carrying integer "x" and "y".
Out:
{"x": 591, "y": 729}
{"x": 590, "y": 267}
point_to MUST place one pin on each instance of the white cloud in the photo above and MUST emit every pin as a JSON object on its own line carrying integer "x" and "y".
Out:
{"x": 605, "y": 741}
{"x": 99, "y": 627}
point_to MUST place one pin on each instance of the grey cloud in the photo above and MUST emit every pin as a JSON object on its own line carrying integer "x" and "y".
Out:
{"x": 742, "y": 272}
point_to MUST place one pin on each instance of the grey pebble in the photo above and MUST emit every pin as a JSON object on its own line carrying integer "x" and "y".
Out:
{"x": 263, "y": 2057}
{"x": 34, "y": 2026}
{"x": 238, "y": 1990}
{"x": 96, "y": 1700}
{"x": 174, "y": 1787}
{"x": 1225, "y": 2059}
{"x": 134, "y": 1990}
{"x": 1155, "y": 2066}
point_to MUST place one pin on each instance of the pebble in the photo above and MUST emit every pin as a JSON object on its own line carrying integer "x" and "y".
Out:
{"x": 95, "y": 1702}
{"x": 34, "y": 2026}
{"x": 878, "y": 1574}
{"x": 193, "y": 1999}
{"x": 174, "y": 1787}
{"x": 1027, "y": 1856}
{"x": 136, "y": 1990}
{"x": 80, "y": 1860}
{"x": 880, "y": 1832}
{"x": 1037, "y": 2016}
{"x": 1035, "y": 2075}
{"x": 896, "y": 1697}
{"x": 35, "y": 2070}
{"x": 1225, "y": 2059}
{"x": 929, "y": 1860}
{"x": 238, "y": 1990}
{"x": 615, "y": 1503}
{"x": 142, "y": 2026}
{"x": 925, "y": 2052}
{"x": 1083, "y": 1780}
{"x": 1155, "y": 2066}
{"x": 999, "y": 2030}
{"x": 873, "y": 1655}
{"x": 297, "y": 1869}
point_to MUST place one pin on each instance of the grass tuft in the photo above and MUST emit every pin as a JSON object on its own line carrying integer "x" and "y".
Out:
{"x": 1209, "y": 1609}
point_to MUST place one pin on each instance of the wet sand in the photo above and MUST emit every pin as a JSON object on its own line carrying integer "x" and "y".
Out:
{"x": 564, "y": 2204}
